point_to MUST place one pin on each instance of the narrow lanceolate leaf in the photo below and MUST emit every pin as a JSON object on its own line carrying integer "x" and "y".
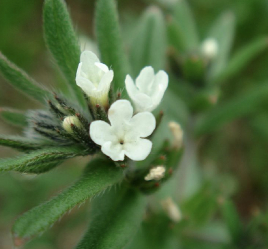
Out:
{"x": 242, "y": 58}
{"x": 116, "y": 217}
{"x": 149, "y": 45}
{"x": 185, "y": 22}
{"x": 109, "y": 40}
{"x": 19, "y": 143}
{"x": 13, "y": 117}
{"x": 62, "y": 42}
{"x": 37, "y": 161}
{"x": 100, "y": 175}
{"x": 21, "y": 81}
{"x": 239, "y": 106}
{"x": 223, "y": 32}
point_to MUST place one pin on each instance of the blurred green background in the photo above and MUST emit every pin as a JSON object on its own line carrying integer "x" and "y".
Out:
{"x": 234, "y": 157}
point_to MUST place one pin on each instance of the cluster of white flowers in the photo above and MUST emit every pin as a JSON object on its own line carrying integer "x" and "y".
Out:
{"x": 125, "y": 135}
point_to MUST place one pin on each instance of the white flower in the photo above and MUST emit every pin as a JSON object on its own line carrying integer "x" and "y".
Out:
{"x": 156, "y": 173}
{"x": 210, "y": 48}
{"x": 94, "y": 78}
{"x": 125, "y": 135}
{"x": 149, "y": 89}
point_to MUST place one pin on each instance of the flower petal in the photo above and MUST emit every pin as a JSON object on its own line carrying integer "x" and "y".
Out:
{"x": 85, "y": 84}
{"x": 102, "y": 66}
{"x": 143, "y": 124}
{"x": 145, "y": 80}
{"x": 120, "y": 112}
{"x": 142, "y": 101}
{"x": 107, "y": 78}
{"x": 114, "y": 151}
{"x": 139, "y": 149}
{"x": 101, "y": 132}
{"x": 160, "y": 86}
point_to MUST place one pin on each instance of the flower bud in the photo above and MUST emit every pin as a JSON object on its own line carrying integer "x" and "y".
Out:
{"x": 69, "y": 121}
{"x": 177, "y": 134}
{"x": 210, "y": 48}
{"x": 156, "y": 173}
{"x": 171, "y": 209}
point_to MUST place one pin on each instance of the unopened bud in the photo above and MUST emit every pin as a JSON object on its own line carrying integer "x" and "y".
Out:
{"x": 156, "y": 173}
{"x": 210, "y": 48}
{"x": 171, "y": 209}
{"x": 177, "y": 134}
{"x": 69, "y": 121}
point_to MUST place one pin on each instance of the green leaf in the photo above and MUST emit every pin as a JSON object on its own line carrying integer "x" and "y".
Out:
{"x": 37, "y": 161}
{"x": 99, "y": 175}
{"x": 13, "y": 117}
{"x": 223, "y": 32}
{"x": 237, "y": 107}
{"x": 62, "y": 42}
{"x": 232, "y": 220}
{"x": 21, "y": 81}
{"x": 19, "y": 143}
{"x": 186, "y": 25}
{"x": 242, "y": 58}
{"x": 110, "y": 41}
{"x": 149, "y": 45}
{"x": 115, "y": 218}
{"x": 155, "y": 233}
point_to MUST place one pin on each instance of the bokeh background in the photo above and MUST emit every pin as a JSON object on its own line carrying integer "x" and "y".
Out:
{"x": 234, "y": 155}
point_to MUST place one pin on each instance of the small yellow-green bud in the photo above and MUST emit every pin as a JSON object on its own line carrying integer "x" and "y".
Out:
{"x": 177, "y": 134}
{"x": 156, "y": 173}
{"x": 69, "y": 121}
{"x": 172, "y": 210}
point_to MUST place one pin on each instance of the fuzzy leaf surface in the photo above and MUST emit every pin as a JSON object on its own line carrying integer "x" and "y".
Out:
{"x": 237, "y": 107}
{"x": 110, "y": 41}
{"x": 13, "y": 117}
{"x": 62, "y": 42}
{"x": 38, "y": 161}
{"x": 223, "y": 32}
{"x": 184, "y": 19}
{"x": 149, "y": 45}
{"x": 116, "y": 217}
{"x": 100, "y": 174}
{"x": 21, "y": 81}
{"x": 19, "y": 143}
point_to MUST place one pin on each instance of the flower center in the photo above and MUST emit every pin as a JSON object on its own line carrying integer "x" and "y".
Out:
{"x": 121, "y": 141}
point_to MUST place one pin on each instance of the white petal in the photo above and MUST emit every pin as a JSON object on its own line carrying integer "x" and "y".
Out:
{"x": 138, "y": 150}
{"x": 107, "y": 78}
{"x": 88, "y": 60}
{"x": 160, "y": 86}
{"x": 143, "y": 124}
{"x": 120, "y": 112}
{"x": 88, "y": 57}
{"x": 86, "y": 85}
{"x": 141, "y": 100}
{"x": 114, "y": 151}
{"x": 101, "y": 132}
{"x": 145, "y": 80}
{"x": 102, "y": 66}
